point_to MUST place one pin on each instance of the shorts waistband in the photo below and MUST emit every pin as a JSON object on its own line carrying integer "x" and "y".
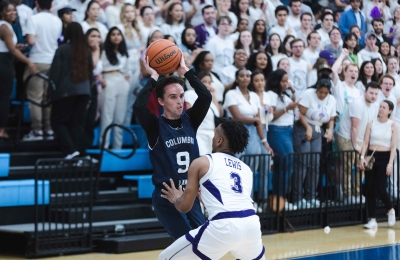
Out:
{"x": 234, "y": 214}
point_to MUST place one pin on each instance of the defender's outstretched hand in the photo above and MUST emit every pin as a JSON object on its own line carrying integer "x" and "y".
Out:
{"x": 171, "y": 193}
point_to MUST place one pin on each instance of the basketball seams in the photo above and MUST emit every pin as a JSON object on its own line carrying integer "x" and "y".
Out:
{"x": 165, "y": 63}
{"x": 160, "y": 52}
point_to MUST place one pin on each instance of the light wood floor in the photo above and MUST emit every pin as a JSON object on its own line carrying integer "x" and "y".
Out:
{"x": 285, "y": 245}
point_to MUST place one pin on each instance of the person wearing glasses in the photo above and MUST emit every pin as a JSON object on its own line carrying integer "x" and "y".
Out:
{"x": 220, "y": 46}
{"x": 336, "y": 43}
{"x": 299, "y": 68}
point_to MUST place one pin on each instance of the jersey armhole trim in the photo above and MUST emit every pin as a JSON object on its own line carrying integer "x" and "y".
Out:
{"x": 210, "y": 169}
{"x": 151, "y": 148}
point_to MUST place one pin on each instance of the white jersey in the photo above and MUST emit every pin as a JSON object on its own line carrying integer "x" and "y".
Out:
{"x": 227, "y": 185}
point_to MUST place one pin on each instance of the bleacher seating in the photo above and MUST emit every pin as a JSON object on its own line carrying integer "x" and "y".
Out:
{"x": 4, "y": 164}
{"x": 15, "y": 193}
{"x": 126, "y": 138}
{"x": 144, "y": 184}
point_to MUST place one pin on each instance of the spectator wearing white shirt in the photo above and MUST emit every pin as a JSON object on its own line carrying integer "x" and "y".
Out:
{"x": 147, "y": 26}
{"x": 24, "y": 13}
{"x": 90, "y": 21}
{"x": 275, "y": 49}
{"x": 113, "y": 13}
{"x": 227, "y": 75}
{"x": 81, "y": 6}
{"x": 42, "y": 32}
{"x": 349, "y": 137}
{"x": 281, "y": 13}
{"x": 371, "y": 51}
{"x": 326, "y": 27}
{"x": 114, "y": 97}
{"x": 260, "y": 62}
{"x": 258, "y": 11}
{"x": 271, "y": 7}
{"x": 311, "y": 53}
{"x": 317, "y": 107}
{"x": 220, "y": 46}
{"x": 174, "y": 22}
{"x": 293, "y": 19}
{"x": 193, "y": 11}
{"x": 335, "y": 42}
{"x": 305, "y": 26}
{"x": 366, "y": 75}
{"x": 299, "y": 68}
{"x": 223, "y": 8}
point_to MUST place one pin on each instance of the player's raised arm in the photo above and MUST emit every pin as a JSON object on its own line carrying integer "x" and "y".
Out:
{"x": 183, "y": 200}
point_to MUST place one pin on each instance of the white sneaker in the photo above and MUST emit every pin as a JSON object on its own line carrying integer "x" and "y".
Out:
{"x": 371, "y": 224}
{"x": 72, "y": 155}
{"x": 314, "y": 203}
{"x": 290, "y": 206}
{"x": 391, "y": 218}
{"x": 33, "y": 135}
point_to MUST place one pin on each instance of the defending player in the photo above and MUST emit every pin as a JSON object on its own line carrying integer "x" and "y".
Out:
{"x": 172, "y": 142}
{"x": 226, "y": 184}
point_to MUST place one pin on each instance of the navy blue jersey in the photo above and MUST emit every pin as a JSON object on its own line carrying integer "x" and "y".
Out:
{"x": 174, "y": 151}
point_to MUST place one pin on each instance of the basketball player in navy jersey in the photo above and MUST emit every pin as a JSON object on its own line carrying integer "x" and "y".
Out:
{"x": 226, "y": 184}
{"x": 172, "y": 141}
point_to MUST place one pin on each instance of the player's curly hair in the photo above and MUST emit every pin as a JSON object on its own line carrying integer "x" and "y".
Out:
{"x": 160, "y": 87}
{"x": 236, "y": 133}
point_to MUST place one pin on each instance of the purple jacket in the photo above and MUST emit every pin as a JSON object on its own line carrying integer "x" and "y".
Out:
{"x": 202, "y": 35}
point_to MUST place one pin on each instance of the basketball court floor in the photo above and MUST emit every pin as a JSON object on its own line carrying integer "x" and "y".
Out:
{"x": 351, "y": 242}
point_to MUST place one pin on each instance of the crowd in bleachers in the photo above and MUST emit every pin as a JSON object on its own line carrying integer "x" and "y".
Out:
{"x": 285, "y": 68}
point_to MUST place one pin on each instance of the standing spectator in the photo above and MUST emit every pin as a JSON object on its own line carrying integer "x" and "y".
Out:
{"x": 81, "y": 8}
{"x": 394, "y": 31}
{"x": 380, "y": 140}
{"x": 193, "y": 11}
{"x": 286, "y": 45}
{"x": 351, "y": 44}
{"x": 386, "y": 84}
{"x": 311, "y": 53}
{"x": 260, "y": 62}
{"x": 317, "y": 107}
{"x": 350, "y": 136}
{"x": 205, "y": 132}
{"x": 24, "y": 13}
{"x": 377, "y": 25}
{"x": 259, "y": 34}
{"x": 228, "y": 73}
{"x": 220, "y": 46}
{"x": 90, "y": 21}
{"x": 371, "y": 51}
{"x": 258, "y": 9}
{"x": 174, "y": 22}
{"x": 366, "y": 75}
{"x": 281, "y": 13}
{"x": 189, "y": 46}
{"x": 357, "y": 31}
{"x": 42, "y": 31}
{"x": 351, "y": 17}
{"x": 243, "y": 25}
{"x": 275, "y": 49}
{"x": 224, "y": 7}
{"x": 72, "y": 73}
{"x": 280, "y": 129}
{"x": 113, "y": 13}
{"x": 8, "y": 51}
{"x": 271, "y": 7}
{"x": 305, "y": 27}
{"x": 386, "y": 50}
{"x": 326, "y": 27}
{"x": 293, "y": 20}
{"x": 130, "y": 31}
{"x": 207, "y": 29}
{"x": 65, "y": 14}
{"x": 335, "y": 44}
{"x": 245, "y": 42}
{"x": 244, "y": 105}
{"x": 147, "y": 27}
{"x": 376, "y": 9}
{"x": 378, "y": 67}
{"x": 299, "y": 68}
{"x": 114, "y": 96}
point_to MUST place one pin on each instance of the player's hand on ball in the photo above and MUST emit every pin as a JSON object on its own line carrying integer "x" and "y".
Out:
{"x": 153, "y": 73}
{"x": 171, "y": 193}
{"x": 182, "y": 69}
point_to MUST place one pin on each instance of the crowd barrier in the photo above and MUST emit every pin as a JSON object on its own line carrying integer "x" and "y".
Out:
{"x": 314, "y": 190}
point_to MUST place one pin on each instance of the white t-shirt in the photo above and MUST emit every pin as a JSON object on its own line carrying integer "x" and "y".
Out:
{"x": 319, "y": 111}
{"x": 286, "y": 119}
{"x": 234, "y": 20}
{"x": 227, "y": 74}
{"x": 310, "y": 56}
{"x": 174, "y": 30}
{"x": 266, "y": 100}
{"x": 46, "y": 27}
{"x": 113, "y": 14}
{"x": 101, "y": 27}
{"x": 324, "y": 37}
{"x": 145, "y": 31}
{"x": 281, "y": 31}
{"x": 246, "y": 108}
{"x": 396, "y": 93}
{"x": 197, "y": 19}
{"x": 208, "y": 122}
{"x": 293, "y": 23}
{"x": 3, "y": 46}
{"x": 276, "y": 58}
{"x": 360, "y": 86}
{"x": 222, "y": 52}
{"x": 341, "y": 92}
{"x": 24, "y": 13}
{"x": 298, "y": 75}
{"x": 312, "y": 78}
{"x": 357, "y": 109}
{"x": 369, "y": 55}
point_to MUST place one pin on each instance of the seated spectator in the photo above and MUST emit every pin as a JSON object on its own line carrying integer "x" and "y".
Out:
{"x": 275, "y": 49}
{"x": 228, "y": 73}
{"x": 189, "y": 46}
{"x": 371, "y": 51}
{"x": 205, "y": 62}
{"x": 260, "y": 62}
{"x": 42, "y": 32}
{"x": 317, "y": 107}
{"x": 259, "y": 34}
{"x": 366, "y": 75}
{"x": 245, "y": 42}
{"x": 335, "y": 44}
{"x": 286, "y": 45}
{"x": 113, "y": 13}
{"x": 243, "y": 25}
{"x": 360, "y": 35}
{"x": 244, "y": 105}
{"x": 8, "y": 50}
{"x": 114, "y": 97}
{"x": 220, "y": 46}
{"x": 281, "y": 13}
{"x": 351, "y": 44}
{"x": 174, "y": 22}
{"x": 353, "y": 17}
{"x": 90, "y": 21}
{"x": 207, "y": 29}
{"x": 241, "y": 11}
{"x": 65, "y": 14}
{"x": 205, "y": 132}
{"x": 311, "y": 53}
{"x": 72, "y": 77}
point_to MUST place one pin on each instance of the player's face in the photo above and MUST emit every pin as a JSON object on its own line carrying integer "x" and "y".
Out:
{"x": 173, "y": 101}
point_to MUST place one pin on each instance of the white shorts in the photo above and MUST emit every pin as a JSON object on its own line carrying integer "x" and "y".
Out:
{"x": 214, "y": 239}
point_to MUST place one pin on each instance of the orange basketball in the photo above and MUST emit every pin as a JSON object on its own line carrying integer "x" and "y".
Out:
{"x": 164, "y": 56}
